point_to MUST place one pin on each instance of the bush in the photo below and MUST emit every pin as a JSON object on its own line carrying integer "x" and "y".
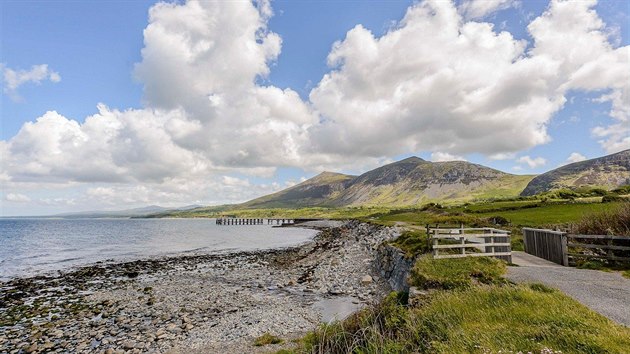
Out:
{"x": 412, "y": 243}
{"x": 499, "y": 220}
{"x": 622, "y": 190}
{"x": 566, "y": 194}
{"x": 611, "y": 198}
{"x": 610, "y": 222}
{"x": 591, "y": 264}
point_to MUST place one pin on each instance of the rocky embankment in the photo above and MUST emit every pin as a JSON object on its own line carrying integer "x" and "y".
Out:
{"x": 198, "y": 303}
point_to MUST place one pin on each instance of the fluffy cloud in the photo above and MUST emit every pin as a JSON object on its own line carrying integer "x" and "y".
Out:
{"x": 427, "y": 84}
{"x": 205, "y": 58}
{"x": 575, "y": 157}
{"x": 436, "y": 81}
{"x": 573, "y": 34}
{"x": 532, "y": 162}
{"x": 475, "y": 9}
{"x": 13, "y": 79}
{"x": 17, "y": 198}
{"x": 443, "y": 156}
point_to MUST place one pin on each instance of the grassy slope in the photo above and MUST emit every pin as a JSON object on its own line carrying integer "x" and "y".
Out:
{"x": 299, "y": 196}
{"x": 406, "y": 194}
{"x": 471, "y": 309}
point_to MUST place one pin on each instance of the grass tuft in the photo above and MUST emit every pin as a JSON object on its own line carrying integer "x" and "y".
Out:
{"x": 542, "y": 288}
{"x": 267, "y": 339}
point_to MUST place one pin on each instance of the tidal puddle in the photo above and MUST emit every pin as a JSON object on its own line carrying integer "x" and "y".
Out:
{"x": 337, "y": 308}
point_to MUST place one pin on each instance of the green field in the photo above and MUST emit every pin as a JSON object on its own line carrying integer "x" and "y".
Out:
{"x": 519, "y": 213}
{"x": 550, "y": 214}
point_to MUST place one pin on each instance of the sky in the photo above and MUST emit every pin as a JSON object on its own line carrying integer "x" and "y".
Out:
{"x": 121, "y": 104}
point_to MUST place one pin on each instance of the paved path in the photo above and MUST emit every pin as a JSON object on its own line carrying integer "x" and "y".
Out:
{"x": 606, "y": 293}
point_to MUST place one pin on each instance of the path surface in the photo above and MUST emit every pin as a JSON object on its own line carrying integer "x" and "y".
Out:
{"x": 606, "y": 293}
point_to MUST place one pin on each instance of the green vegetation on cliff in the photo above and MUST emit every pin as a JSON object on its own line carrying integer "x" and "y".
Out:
{"x": 462, "y": 311}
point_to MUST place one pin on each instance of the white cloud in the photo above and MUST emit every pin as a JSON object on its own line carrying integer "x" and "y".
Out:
{"x": 13, "y": 79}
{"x": 502, "y": 156}
{"x": 475, "y": 9}
{"x": 434, "y": 82}
{"x": 437, "y": 82}
{"x": 576, "y": 157}
{"x": 17, "y": 198}
{"x": 444, "y": 156}
{"x": 532, "y": 162}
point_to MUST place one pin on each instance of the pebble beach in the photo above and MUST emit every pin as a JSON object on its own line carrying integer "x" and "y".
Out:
{"x": 206, "y": 303}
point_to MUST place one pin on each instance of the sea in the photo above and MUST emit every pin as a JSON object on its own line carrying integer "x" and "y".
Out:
{"x": 31, "y": 247}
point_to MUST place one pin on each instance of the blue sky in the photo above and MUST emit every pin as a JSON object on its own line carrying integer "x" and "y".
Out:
{"x": 93, "y": 46}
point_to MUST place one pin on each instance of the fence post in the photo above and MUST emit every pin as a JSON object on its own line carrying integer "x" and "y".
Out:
{"x": 565, "y": 249}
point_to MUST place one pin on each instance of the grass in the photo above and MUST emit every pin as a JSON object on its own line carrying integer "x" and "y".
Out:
{"x": 550, "y": 214}
{"x": 267, "y": 339}
{"x": 412, "y": 243}
{"x": 456, "y": 273}
{"x": 472, "y": 316}
{"x": 626, "y": 273}
{"x": 516, "y": 318}
{"x": 612, "y": 221}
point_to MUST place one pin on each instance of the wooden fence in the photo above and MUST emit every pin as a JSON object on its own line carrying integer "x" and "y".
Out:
{"x": 564, "y": 248}
{"x": 546, "y": 244}
{"x": 470, "y": 242}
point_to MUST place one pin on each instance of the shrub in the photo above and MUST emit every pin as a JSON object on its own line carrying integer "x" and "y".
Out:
{"x": 622, "y": 190}
{"x": 499, "y": 220}
{"x": 412, "y": 243}
{"x": 591, "y": 264}
{"x": 615, "y": 221}
{"x": 611, "y": 198}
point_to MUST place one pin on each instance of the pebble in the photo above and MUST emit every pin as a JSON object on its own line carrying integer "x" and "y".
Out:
{"x": 227, "y": 301}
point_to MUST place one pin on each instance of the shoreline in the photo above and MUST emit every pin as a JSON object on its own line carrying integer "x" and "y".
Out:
{"x": 58, "y": 266}
{"x": 203, "y": 302}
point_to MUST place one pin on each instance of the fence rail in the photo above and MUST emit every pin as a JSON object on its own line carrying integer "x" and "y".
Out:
{"x": 484, "y": 242}
{"x": 563, "y": 248}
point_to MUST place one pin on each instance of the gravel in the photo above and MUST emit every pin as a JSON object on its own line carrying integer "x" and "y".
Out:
{"x": 605, "y": 292}
{"x": 199, "y": 303}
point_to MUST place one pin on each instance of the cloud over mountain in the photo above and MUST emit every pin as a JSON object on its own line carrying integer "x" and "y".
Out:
{"x": 436, "y": 82}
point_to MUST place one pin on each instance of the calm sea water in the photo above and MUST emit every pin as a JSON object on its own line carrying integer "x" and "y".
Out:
{"x": 34, "y": 246}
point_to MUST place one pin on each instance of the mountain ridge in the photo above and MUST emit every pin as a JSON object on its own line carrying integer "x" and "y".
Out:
{"x": 606, "y": 172}
{"x": 410, "y": 181}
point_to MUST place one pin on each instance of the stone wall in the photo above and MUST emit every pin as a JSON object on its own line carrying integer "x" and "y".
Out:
{"x": 394, "y": 266}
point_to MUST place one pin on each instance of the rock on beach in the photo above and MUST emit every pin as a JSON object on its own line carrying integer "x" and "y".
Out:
{"x": 203, "y": 303}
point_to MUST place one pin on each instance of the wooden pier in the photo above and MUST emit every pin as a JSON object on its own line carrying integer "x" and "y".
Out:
{"x": 250, "y": 221}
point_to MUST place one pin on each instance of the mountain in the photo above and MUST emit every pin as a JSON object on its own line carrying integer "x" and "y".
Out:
{"x": 317, "y": 191}
{"x": 411, "y": 181}
{"x": 136, "y": 212}
{"x": 606, "y": 172}
{"x": 414, "y": 181}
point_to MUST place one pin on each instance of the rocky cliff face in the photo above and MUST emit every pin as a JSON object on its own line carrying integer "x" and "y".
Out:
{"x": 394, "y": 266}
{"x": 606, "y": 172}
